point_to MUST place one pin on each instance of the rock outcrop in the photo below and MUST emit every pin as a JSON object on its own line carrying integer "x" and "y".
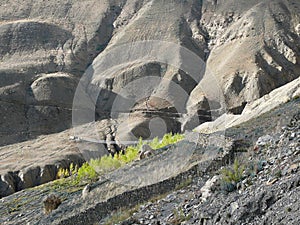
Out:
{"x": 254, "y": 109}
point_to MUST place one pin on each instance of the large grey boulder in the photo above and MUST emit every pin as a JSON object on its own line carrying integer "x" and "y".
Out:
{"x": 6, "y": 185}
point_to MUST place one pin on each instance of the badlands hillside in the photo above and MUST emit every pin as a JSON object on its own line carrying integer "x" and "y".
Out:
{"x": 80, "y": 79}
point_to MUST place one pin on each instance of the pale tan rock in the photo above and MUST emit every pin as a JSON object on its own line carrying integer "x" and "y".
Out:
{"x": 254, "y": 109}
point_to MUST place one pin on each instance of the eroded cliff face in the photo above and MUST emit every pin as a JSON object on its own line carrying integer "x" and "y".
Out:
{"x": 254, "y": 46}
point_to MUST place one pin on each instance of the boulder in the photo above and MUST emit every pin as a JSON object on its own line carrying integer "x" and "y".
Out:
{"x": 6, "y": 186}
{"x": 30, "y": 177}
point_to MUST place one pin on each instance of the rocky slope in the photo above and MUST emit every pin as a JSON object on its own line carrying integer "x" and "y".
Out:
{"x": 267, "y": 195}
{"x": 193, "y": 193}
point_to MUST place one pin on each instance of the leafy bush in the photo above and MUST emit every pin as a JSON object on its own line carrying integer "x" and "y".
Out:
{"x": 167, "y": 139}
{"x": 73, "y": 169}
{"x": 232, "y": 176}
{"x": 130, "y": 154}
{"x": 63, "y": 173}
{"x": 86, "y": 171}
{"x": 105, "y": 164}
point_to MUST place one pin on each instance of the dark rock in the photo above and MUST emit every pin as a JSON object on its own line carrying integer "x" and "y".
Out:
{"x": 51, "y": 203}
{"x": 30, "y": 177}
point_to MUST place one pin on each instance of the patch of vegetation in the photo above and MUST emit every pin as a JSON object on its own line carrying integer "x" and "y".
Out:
{"x": 89, "y": 171}
{"x": 288, "y": 209}
{"x": 179, "y": 217}
{"x": 168, "y": 139}
{"x": 183, "y": 184}
{"x": 278, "y": 174}
{"x": 63, "y": 173}
{"x": 232, "y": 176}
{"x": 158, "y": 197}
{"x": 86, "y": 171}
{"x": 17, "y": 203}
{"x": 120, "y": 215}
{"x": 69, "y": 185}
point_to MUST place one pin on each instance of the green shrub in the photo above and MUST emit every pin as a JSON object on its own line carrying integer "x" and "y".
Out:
{"x": 86, "y": 172}
{"x": 105, "y": 164}
{"x": 62, "y": 173}
{"x": 232, "y": 176}
{"x": 167, "y": 139}
{"x": 179, "y": 217}
{"x": 73, "y": 169}
{"x": 130, "y": 155}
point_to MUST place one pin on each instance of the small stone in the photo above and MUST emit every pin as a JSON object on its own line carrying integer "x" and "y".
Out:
{"x": 270, "y": 182}
{"x": 266, "y": 167}
{"x": 186, "y": 206}
{"x": 206, "y": 190}
{"x": 151, "y": 217}
{"x": 72, "y": 138}
{"x": 296, "y": 152}
{"x": 146, "y": 151}
{"x": 293, "y": 145}
{"x": 86, "y": 191}
{"x": 293, "y": 168}
{"x": 234, "y": 206}
{"x": 196, "y": 206}
{"x": 170, "y": 216}
{"x": 239, "y": 186}
{"x": 170, "y": 198}
{"x": 271, "y": 161}
{"x": 264, "y": 140}
{"x": 283, "y": 128}
{"x": 256, "y": 149}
